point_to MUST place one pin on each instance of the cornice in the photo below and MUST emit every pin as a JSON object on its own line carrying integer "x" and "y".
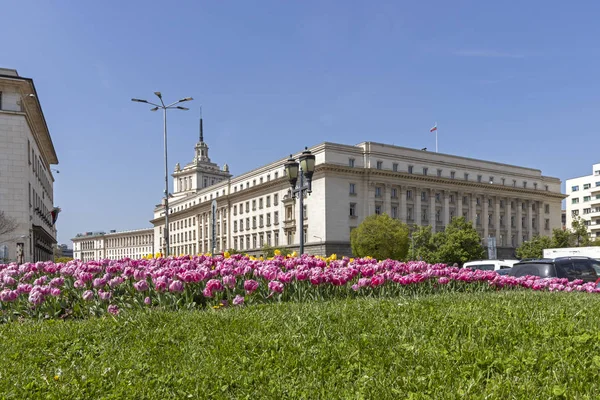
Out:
{"x": 370, "y": 173}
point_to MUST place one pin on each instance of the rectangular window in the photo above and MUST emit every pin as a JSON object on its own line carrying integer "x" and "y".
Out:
{"x": 587, "y": 210}
{"x": 268, "y": 201}
{"x": 547, "y": 208}
{"x": 394, "y": 193}
{"x": 575, "y": 200}
{"x": 377, "y": 191}
{"x": 351, "y": 162}
{"x": 394, "y": 212}
{"x": 260, "y": 203}
{"x": 514, "y": 183}
{"x": 275, "y": 199}
{"x": 261, "y": 221}
{"x": 378, "y": 210}
{"x": 353, "y": 209}
{"x": 597, "y": 183}
{"x": 409, "y": 213}
{"x": 276, "y": 239}
{"x": 253, "y": 205}
{"x": 410, "y": 169}
{"x": 425, "y": 169}
{"x": 409, "y": 194}
{"x": 423, "y": 196}
{"x": 352, "y": 188}
{"x": 587, "y": 198}
{"x": 276, "y": 174}
{"x": 491, "y": 180}
{"x": 524, "y": 184}
{"x": 276, "y": 217}
{"x": 253, "y": 222}
{"x": 247, "y": 206}
{"x": 268, "y": 219}
{"x": 439, "y": 172}
{"x": 452, "y": 174}
{"x": 479, "y": 178}
{"x": 574, "y": 188}
{"x": 395, "y": 167}
{"x": 379, "y": 164}
{"x": 466, "y": 176}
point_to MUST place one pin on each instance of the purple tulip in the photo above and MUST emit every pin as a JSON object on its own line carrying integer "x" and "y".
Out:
{"x": 113, "y": 309}
{"x": 443, "y": 280}
{"x": 87, "y": 295}
{"x": 141, "y": 286}
{"x": 238, "y": 300}
{"x": 276, "y": 287}
{"x": 147, "y": 301}
{"x": 250, "y": 286}
{"x": 176, "y": 287}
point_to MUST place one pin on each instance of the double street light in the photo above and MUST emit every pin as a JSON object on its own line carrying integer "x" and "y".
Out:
{"x": 305, "y": 168}
{"x": 164, "y": 107}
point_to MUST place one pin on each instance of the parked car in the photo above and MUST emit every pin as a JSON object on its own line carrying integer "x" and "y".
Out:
{"x": 490, "y": 265}
{"x": 572, "y": 268}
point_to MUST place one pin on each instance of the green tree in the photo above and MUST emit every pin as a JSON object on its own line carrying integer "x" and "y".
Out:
{"x": 380, "y": 237}
{"x": 534, "y": 248}
{"x": 422, "y": 246}
{"x": 63, "y": 260}
{"x": 459, "y": 243}
{"x": 561, "y": 238}
{"x": 580, "y": 234}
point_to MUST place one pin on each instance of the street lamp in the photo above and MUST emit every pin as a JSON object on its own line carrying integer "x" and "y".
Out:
{"x": 305, "y": 168}
{"x": 164, "y": 107}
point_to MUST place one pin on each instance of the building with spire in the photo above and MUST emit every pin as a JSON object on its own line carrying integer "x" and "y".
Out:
{"x": 198, "y": 174}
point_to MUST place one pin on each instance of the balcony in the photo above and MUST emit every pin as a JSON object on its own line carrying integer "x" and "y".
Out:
{"x": 290, "y": 223}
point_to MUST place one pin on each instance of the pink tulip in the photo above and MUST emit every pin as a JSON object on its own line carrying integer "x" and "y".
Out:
{"x": 229, "y": 281}
{"x": 147, "y": 301}
{"x": 88, "y": 295}
{"x": 443, "y": 280}
{"x": 250, "y": 286}
{"x": 141, "y": 286}
{"x": 276, "y": 287}
{"x": 238, "y": 300}
{"x": 113, "y": 309}
{"x": 176, "y": 287}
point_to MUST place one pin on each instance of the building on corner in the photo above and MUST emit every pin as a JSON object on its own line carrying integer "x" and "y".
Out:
{"x": 26, "y": 180}
{"x": 583, "y": 201}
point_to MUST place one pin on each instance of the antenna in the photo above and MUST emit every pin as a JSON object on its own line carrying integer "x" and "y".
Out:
{"x": 201, "y": 131}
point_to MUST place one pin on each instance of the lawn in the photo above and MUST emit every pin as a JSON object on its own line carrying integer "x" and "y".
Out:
{"x": 495, "y": 345}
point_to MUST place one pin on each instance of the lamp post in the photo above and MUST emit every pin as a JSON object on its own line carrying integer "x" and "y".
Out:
{"x": 164, "y": 107}
{"x": 307, "y": 168}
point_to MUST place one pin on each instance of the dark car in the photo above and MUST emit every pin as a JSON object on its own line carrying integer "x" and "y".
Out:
{"x": 572, "y": 268}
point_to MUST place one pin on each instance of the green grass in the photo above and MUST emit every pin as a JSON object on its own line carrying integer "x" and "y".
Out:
{"x": 504, "y": 345}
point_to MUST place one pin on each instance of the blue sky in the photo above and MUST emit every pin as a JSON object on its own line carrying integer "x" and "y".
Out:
{"x": 513, "y": 82}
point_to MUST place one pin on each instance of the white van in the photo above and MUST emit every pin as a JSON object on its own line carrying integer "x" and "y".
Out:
{"x": 490, "y": 265}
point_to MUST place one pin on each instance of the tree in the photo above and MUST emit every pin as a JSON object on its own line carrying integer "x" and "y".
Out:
{"x": 561, "y": 238}
{"x": 422, "y": 246}
{"x": 380, "y": 237}
{"x": 580, "y": 233}
{"x": 534, "y": 248}
{"x": 459, "y": 243}
{"x": 7, "y": 224}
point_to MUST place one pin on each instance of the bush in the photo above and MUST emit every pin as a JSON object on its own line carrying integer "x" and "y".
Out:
{"x": 380, "y": 237}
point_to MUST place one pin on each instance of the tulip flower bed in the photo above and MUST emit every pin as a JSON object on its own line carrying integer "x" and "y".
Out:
{"x": 518, "y": 344}
{"x": 79, "y": 290}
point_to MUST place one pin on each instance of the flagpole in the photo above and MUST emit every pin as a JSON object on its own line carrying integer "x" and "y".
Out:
{"x": 436, "y": 141}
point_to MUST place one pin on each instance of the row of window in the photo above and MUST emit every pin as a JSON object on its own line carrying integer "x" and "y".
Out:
{"x": 261, "y": 221}
{"x": 575, "y": 200}
{"x": 260, "y": 181}
{"x": 586, "y": 186}
{"x": 129, "y": 241}
{"x": 258, "y": 240}
{"x": 440, "y": 172}
{"x": 261, "y": 204}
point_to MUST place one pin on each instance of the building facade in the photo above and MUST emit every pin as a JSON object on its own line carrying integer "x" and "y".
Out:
{"x": 254, "y": 209}
{"x": 113, "y": 245}
{"x": 26, "y": 180}
{"x": 583, "y": 201}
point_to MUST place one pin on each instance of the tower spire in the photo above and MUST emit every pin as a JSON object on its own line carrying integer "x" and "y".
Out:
{"x": 201, "y": 131}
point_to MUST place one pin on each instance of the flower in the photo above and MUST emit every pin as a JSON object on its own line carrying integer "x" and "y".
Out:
{"x": 238, "y": 300}
{"x": 88, "y": 295}
{"x": 147, "y": 301}
{"x": 141, "y": 286}
{"x": 113, "y": 309}
{"x": 250, "y": 286}
{"x": 176, "y": 287}
{"x": 276, "y": 287}
{"x": 443, "y": 280}
{"x": 229, "y": 281}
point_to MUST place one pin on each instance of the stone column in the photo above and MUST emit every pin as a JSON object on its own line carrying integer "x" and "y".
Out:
{"x": 446, "y": 208}
{"x": 529, "y": 219}
{"x": 403, "y": 204}
{"x": 387, "y": 199}
{"x": 459, "y": 207}
{"x": 497, "y": 219}
{"x": 485, "y": 217}
{"x": 519, "y": 222}
{"x": 473, "y": 210}
{"x": 418, "y": 217}
{"x": 370, "y": 203}
{"x": 432, "y": 221}
{"x": 508, "y": 216}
